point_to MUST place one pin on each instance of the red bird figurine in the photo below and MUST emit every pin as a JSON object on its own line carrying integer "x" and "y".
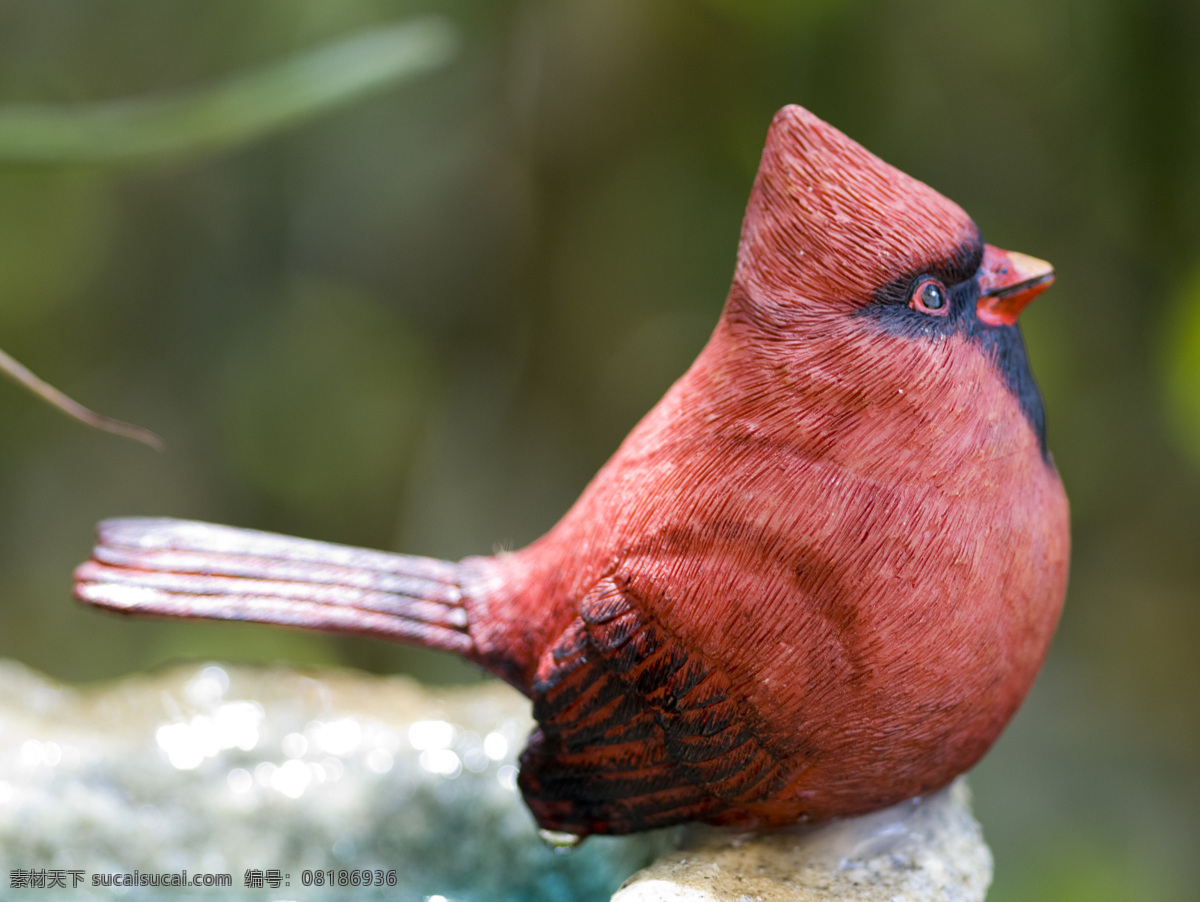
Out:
{"x": 817, "y": 579}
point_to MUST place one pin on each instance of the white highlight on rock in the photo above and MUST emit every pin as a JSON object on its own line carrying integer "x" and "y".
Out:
{"x": 380, "y": 760}
{"x": 476, "y": 760}
{"x": 442, "y": 762}
{"x": 34, "y": 753}
{"x": 339, "y": 737}
{"x": 183, "y": 749}
{"x": 294, "y": 745}
{"x": 208, "y": 687}
{"x": 388, "y": 740}
{"x": 237, "y": 725}
{"x": 240, "y": 780}
{"x": 495, "y": 745}
{"x": 333, "y": 767}
{"x": 431, "y": 734}
{"x": 188, "y": 743}
{"x": 264, "y": 772}
{"x": 291, "y": 779}
{"x": 507, "y": 777}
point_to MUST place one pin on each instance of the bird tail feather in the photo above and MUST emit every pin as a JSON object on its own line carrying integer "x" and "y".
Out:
{"x": 181, "y": 568}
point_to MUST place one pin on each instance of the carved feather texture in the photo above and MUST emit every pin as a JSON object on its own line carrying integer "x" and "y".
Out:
{"x": 816, "y": 579}
{"x": 185, "y": 569}
{"x": 829, "y": 223}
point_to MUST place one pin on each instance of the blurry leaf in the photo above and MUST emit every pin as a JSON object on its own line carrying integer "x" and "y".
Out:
{"x": 233, "y": 112}
{"x": 56, "y": 231}
{"x": 771, "y": 14}
{"x": 321, "y": 406}
{"x": 1182, "y": 370}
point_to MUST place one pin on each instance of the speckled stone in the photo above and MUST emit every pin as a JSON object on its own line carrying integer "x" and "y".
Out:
{"x": 230, "y": 770}
{"x": 924, "y": 849}
{"x": 218, "y": 769}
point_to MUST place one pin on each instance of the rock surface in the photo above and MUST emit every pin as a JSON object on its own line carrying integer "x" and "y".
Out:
{"x": 928, "y": 849}
{"x": 281, "y": 779}
{"x": 217, "y": 769}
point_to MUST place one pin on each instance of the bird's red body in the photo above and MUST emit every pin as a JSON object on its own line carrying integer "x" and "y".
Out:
{"x": 818, "y": 578}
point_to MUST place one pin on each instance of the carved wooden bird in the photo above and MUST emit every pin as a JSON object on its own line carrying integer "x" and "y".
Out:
{"x": 816, "y": 579}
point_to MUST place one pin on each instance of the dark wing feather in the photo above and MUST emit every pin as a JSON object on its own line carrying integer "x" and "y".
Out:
{"x": 637, "y": 731}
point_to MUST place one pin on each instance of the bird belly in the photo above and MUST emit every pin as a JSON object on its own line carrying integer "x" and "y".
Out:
{"x": 879, "y": 665}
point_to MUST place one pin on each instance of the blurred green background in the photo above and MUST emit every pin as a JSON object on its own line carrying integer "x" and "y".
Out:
{"x": 410, "y": 293}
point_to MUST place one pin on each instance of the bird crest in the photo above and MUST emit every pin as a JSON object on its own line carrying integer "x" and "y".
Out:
{"x": 828, "y": 222}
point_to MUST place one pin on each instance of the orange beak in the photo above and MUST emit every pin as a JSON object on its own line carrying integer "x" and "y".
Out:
{"x": 1008, "y": 281}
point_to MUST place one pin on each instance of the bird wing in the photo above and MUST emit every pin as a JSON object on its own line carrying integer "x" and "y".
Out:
{"x": 637, "y": 730}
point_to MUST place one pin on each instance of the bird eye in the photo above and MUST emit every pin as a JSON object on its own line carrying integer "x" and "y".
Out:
{"x": 929, "y": 297}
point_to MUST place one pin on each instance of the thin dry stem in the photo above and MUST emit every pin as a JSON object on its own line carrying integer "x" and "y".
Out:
{"x": 71, "y": 408}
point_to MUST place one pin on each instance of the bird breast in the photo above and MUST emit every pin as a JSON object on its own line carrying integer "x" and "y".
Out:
{"x": 864, "y": 557}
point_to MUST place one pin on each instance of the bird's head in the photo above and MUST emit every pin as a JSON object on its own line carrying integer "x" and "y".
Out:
{"x": 831, "y": 228}
{"x": 853, "y": 273}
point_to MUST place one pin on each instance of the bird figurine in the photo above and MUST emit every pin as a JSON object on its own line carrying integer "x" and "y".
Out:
{"x": 816, "y": 579}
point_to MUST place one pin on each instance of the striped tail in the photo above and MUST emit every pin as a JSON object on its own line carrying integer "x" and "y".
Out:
{"x": 179, "y": 568}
